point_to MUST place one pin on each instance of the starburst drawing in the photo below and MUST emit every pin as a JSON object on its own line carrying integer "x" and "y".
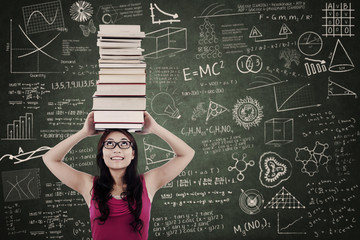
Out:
{"x": 81, "y": 11}
{"x": 247, "y": 112}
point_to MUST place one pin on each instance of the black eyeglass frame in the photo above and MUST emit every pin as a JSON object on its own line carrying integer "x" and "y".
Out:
{"x": 118, "y": 144}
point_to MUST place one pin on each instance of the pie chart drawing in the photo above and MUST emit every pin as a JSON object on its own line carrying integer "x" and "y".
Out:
{"x": 310, "y": 43}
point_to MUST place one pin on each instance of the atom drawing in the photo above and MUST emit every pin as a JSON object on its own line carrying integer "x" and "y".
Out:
{"x": 247, "y": 112}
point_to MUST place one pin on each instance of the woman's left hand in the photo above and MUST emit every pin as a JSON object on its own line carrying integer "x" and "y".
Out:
{"x": 149, "y": 124}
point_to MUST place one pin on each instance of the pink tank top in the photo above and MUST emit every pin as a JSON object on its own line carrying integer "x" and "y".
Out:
{"x": 117, "y": 226}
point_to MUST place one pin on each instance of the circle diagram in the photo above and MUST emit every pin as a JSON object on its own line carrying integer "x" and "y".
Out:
{"x": 310, "y": 43}
{"x": 247, "y": 112}
{"x": 249, "y": 64}
{"x": 251, "y": 201}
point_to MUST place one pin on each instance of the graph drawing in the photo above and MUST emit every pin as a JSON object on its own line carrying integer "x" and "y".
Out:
{"x": 286, "y": 229}
{"x": 28, "y": 56}
{"x": 21, "y": 185}
{"x": 172, "y": 17}
{"x": 43, "y": 17}
{"x": 21, "y": 129}
{"x": 293, "y": 97}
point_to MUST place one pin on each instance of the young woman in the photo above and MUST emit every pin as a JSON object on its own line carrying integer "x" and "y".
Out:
{"x": 119, "y": 199}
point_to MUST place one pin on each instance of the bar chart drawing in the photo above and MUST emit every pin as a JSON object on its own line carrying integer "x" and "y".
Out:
{"x": 21, "y": 129}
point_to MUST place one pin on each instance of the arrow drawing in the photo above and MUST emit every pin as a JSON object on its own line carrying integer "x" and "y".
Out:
{"x": 315, "y": 60}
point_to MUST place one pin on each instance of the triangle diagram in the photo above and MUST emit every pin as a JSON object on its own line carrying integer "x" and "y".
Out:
{"x": 215, "y": 110}
{"x": 335, "y": 89}
{"x": 154, "y": 154}
{"x": 285, "y": 30}
{"x": 254, "y": 33}
{"x": 284, "y": 199}
{"x": 340, "y": 60}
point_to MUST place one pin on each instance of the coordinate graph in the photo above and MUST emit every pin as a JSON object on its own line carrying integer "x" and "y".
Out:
{"x": 31, "y": 54}
{"x": 43, "y": 17}
{"x": 21, "y": 184}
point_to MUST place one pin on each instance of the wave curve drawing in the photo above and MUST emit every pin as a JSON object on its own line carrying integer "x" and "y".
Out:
{"x": 43, "y": 17}
{"x": 48, "y": 22}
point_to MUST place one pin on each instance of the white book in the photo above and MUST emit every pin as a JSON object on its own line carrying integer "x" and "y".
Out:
{"x": 117, "y": 44}
{"x": 110, "y": 71}
{"x": 121, "y": 89}
{"x": 130, "y": 61}
{"x": 117, "y": 34}
{"x": 119, "y": 103}
{"x": 119, "y": 27}
{"x": 131, "y": 127}
{"x": 122, "y": 78}
{"x": 119, "y": 40}
{"x": 118, "y": 117}
{"x": 122, "y": 65}
{"x": 111, "y": 51}
{"x": 117, "y": 52}
{"x": 119, "y": 57}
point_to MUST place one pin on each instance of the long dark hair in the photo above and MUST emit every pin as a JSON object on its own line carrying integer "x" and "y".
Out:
{"x": 103, "y": 184}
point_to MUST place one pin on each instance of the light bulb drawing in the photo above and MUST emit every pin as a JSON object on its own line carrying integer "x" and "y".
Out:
{"x": 164, "y": 104}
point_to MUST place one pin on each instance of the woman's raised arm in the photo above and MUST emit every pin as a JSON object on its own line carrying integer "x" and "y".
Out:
{"x": 158, "y": 177}
{"x": 53, "y": 159}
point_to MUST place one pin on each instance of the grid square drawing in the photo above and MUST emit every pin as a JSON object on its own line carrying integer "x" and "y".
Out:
{"x": 43, "y": 17}
{"x": 338, "y": 20}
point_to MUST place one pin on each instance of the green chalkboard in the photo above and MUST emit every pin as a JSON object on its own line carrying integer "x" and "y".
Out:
{"x": 266, "y": 93}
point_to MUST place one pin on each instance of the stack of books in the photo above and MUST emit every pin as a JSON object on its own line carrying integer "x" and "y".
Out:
{"x": 120, "y": 98}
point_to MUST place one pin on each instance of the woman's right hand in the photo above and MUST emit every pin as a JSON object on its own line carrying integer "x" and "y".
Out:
{"x": 89, "y": 125}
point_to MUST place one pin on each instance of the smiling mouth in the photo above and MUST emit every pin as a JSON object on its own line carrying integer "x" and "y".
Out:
{"x": 117, "y": 158}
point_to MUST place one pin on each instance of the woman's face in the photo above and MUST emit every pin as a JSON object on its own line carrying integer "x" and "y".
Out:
{"x": 119, "y": 157}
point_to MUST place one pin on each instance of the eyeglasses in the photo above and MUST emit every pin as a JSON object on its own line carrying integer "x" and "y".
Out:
{"x": 121, "y": 144}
